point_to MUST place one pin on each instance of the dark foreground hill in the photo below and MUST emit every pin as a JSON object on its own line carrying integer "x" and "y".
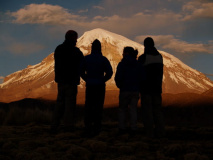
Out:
{"x": 179, "y": 109}
{"x": 34, "y": 142}
{"x": 24, "y": 133}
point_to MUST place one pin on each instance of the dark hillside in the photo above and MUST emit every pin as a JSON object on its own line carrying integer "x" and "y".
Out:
{"x": 24, "y": 134}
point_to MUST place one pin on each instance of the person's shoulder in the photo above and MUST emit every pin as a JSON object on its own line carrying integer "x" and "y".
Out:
{"x": 58, "y": 50}
{"x": 104, "y": 58}
{"x": 141, "y": 58}
{"x": 87, "y": 57}
{"x": 59, "y": 46}
{"x": 159, "y": 55}
{"x": 120, "y": 65}
{"x": 77, "y": 49}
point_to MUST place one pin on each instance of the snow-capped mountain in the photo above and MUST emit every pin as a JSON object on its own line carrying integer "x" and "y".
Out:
{"x": 38, "y": 80}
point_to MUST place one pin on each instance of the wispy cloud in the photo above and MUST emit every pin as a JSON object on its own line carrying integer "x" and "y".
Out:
{"x": 83, "y": 11}
{"x": 44, "y": 14}
{"x": 198, "y": 9}
{"x": 99, "y": 7}
{"x": 169, "y": 42}
{"x": 57, "y": 15}
{"x": 24, "y": 48}
{"x": 165, "y": 22}
{"x": 139, "y": 23}
{"x": 17, "y": 47}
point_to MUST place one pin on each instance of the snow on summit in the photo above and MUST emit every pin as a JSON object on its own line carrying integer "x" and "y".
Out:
{"x": 120, "y": 42}
{"x": 102, "y": 35}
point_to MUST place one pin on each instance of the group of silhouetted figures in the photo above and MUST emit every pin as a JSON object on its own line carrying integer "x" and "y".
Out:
{"x": 136, "y": 78}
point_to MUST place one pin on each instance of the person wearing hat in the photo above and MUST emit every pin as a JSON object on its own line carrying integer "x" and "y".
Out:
{"x": 67, "y": 62}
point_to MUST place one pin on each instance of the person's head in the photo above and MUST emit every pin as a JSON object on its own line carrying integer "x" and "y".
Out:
{"x": 96, "y": 45}
{"x": 71, "y": 36}
{"x": 130, "y": 51}
{"x": 149, "y": 42}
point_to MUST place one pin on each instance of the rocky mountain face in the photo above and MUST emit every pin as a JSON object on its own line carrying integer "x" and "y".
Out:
{"x": 37, "y": 81}
{"x": 208, "y": 92}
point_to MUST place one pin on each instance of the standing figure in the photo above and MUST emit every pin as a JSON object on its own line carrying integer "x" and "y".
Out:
{"x": 151, "y": 89}
{"x": 127, "y": 80}
{"x": 95, "y": 71}
{"x": 67, "y": 62}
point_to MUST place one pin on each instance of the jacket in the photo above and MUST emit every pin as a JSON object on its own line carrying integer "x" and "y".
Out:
{"x": 128, "y": 74}
{"x": 96, "y": 69}
{"x": 152, "y": 61}
{"x": 67, "y": 63}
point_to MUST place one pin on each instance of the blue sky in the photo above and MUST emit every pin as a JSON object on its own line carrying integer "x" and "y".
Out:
{"x": 31, "y": 29}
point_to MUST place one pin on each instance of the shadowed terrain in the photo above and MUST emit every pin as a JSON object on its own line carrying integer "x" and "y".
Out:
{"x": 24, "y": 132}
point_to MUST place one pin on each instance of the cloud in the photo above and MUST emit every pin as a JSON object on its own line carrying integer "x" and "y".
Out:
{"x": 57, "y": 15}
{"x": 143, "y": 22}
{"x": 139, "y": 23}
{"x": 18, "y": 46}
{"x": 44, "y": 14}
{"x": 83, "y": 11}
{"x": 163, "y": 22}
{"x": 169, "y": 42}
{"x": 128, "y": 8}
{"x": 24, "y": 48}
{"x": 198, "y": 9}
{"x": 99, "y": 7}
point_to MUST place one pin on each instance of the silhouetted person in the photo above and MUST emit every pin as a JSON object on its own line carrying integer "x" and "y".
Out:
{"x": 127, "y": 80}
{"x": 95, "y": 71}
{"x": 67, "y": 62}
{"x": 151, "y": 89}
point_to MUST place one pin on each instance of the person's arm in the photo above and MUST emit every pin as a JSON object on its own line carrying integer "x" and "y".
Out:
{"x": 119, "y": 76}
{"x": 161, "y": 69}
{"x": 108, "y": 70}
{"x": 81, "y": 55}
{"x": 81, "y": 67}
{"x": 82, "y": 70}
{"x": 57, "y": 65}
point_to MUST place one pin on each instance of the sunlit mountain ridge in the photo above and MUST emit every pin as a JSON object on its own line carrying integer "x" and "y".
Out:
{"x": 37, "y": 81}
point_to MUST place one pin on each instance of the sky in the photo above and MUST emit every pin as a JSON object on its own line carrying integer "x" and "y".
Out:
{"x": 31, "y": 29}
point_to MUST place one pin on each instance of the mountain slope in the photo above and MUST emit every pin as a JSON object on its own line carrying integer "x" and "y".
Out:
{"x": 178, "y": 77}
{"x": 38, "y": 80}
{"x": 208, "y": 92}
